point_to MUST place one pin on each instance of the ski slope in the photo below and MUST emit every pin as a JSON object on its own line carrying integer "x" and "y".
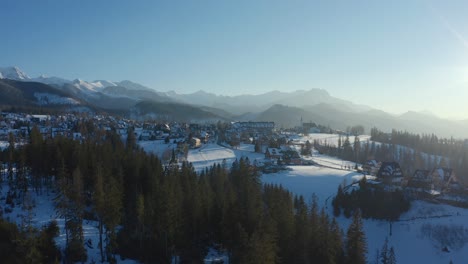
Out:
{"x": 210, "y": 154}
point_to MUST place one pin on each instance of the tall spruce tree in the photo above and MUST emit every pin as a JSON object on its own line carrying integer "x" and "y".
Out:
{"x": 356, "y": 246}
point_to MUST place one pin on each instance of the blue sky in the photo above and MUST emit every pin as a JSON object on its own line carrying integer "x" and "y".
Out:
{"x": 392, "y": 55}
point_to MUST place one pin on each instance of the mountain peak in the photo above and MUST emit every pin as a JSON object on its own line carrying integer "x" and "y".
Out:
{"x": 201, "y": 92}
{"x": 13, "y": 73}
{"x": 418, "y": 114}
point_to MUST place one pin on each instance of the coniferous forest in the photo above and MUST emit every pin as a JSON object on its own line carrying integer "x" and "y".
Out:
{"x": 158, "y": 213}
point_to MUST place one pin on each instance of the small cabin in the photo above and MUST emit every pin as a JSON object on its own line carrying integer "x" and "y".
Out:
{"x": 390, "y": 172}
{"x": 195, "y": 142}
{"x": 421, "y": 179}
{"x": 273, "y": 153}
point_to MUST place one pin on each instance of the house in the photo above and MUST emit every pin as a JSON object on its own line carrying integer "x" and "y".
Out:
{"x": 291, "y": 157}
{"x": 421, "y": 179}
{"x": 444, "y": 179}
{"x": 273, "y": 153}
{"x": 195, "y": 142}
{"x": 390, "y": 172}
{"x": 40, "y": 118}
{"x": 371, "y": 167}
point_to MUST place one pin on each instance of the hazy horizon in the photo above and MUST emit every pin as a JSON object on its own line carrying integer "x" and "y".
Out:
{"x": 394, "y": 56}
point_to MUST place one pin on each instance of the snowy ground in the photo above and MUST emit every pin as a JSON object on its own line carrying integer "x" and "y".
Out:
{"x": 157, "y": 147}
{"x": 44, "y": 213}
{"x": 307, "y": 180}
{"x": 3, "y": 145}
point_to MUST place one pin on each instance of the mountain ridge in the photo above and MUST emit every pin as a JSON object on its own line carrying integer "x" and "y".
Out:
{"x": 285, "y": 108}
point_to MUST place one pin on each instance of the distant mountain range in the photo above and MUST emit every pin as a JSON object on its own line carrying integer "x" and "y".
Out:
{"x": 138, "y": 101}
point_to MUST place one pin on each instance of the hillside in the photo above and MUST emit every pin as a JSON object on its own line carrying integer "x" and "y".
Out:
{"x": 121, "y": 91}
{"x": 171, "y": 111}
{"x": 340, "y": 117}
{"x": 33, "y": 94}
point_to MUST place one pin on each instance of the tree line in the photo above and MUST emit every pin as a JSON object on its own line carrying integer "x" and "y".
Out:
{"x": 448, "y": 153}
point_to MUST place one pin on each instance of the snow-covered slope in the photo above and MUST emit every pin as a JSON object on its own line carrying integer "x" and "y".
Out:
{"x": 53, "y": 99}
{"x": 13, "y": 73}
{"x": 101, "y": 84}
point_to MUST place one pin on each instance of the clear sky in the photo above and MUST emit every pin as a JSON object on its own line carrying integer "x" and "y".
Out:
{"x": 392, "y": 55}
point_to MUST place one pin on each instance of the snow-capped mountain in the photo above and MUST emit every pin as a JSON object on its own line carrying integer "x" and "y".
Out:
{"x": 284, "y": 108}
{"x": 13, "y": 73}
{"x": 101, "y": 84}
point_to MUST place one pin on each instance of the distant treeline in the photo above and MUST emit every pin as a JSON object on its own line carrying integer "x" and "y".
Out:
{"x": 427, "y": 143}
{"x": 411, "y": 151}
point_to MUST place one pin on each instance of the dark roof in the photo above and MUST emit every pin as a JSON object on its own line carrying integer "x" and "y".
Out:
{"x": 390, "y": 169}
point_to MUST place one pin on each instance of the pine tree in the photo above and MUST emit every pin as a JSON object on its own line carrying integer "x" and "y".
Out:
{"x": 262, "y": 246}
{"x": 11, "y": 160}
{"x": 131, "y": 139}
{"x": 99, "y": 205}
{"x": 258, "y": 147}
{"x": 356, "y": 149}
{"x": 70, "y": 206}
{"x": 336, "y": 243}
{"x": 391, "y": 256}
{"x": 112, "y": 212}
{"x": 356, "y": 247}
{"x": 347, "y": 150}
{"x": 384, "y": 254}
{"x": 301, "y": 234}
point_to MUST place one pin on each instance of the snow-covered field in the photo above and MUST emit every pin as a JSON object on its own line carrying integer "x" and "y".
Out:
{"x": 157, "y": 147}
{"x": 308, "y": 180}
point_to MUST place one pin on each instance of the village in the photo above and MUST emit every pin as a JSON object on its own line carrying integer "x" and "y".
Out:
{"x": 275, "y": 149}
